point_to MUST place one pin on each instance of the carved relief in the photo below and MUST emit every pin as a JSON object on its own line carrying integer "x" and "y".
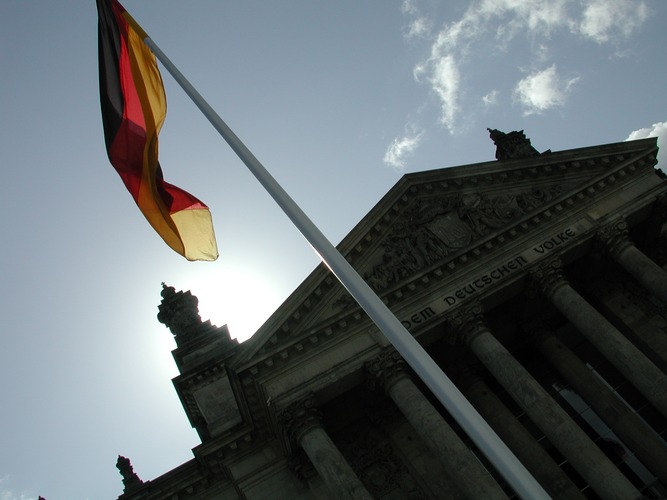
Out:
{"x": 512, "y": 145}
{"x": 178, "y": 311}
{"x": 613, "y": 238}
{"x": 547, "y": 277}
{"x": 467, "y": 321}
{"x": 300, "y": 417}
{"x": 434, "y": 229}
{"x": 386, "y": 368}
{"x": 130, "y": 478}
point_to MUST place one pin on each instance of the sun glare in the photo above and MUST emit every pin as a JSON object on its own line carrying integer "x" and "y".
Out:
{"x": 238, "y": 298}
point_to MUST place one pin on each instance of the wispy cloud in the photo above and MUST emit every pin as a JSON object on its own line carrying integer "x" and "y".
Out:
{"x": 445, "y": 80}
{"x": 490, "y": 25}
{"x": 491, "y": 98}
{"x": 602, "y": 19}
{"x": 419, "y": 26}
{"x": 7, "y": 494}
{"x": 402, "y": 147}
{"x": 454, "y": 54}
{"x": 543, "y": 90}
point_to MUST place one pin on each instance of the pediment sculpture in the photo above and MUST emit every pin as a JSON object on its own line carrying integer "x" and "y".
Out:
{"x": 432, "y": 230}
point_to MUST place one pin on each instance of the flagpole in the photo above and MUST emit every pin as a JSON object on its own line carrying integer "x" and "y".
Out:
{"x": 414, "y": 354}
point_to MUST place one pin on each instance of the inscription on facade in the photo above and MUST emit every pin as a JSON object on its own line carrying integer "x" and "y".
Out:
{"x": 486, "y": 279}
{"x": 490, "y": 278}
{"x": 555, "y": 241}
{"x": 419, "y": 317}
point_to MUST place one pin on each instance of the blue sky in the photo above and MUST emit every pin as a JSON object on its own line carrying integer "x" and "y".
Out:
{"x": 337, "y": 99}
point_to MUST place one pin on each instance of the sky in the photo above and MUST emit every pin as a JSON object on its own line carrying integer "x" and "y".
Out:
{"x": 337, "y": 99}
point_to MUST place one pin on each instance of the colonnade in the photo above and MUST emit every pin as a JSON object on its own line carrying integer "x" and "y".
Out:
{"x": 467, "y": 323}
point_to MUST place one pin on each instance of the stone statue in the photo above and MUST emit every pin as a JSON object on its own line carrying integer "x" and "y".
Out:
{"x": 178, "y": 310}
{"x": 512, "y": 145}
{"x": 130, "y": 478}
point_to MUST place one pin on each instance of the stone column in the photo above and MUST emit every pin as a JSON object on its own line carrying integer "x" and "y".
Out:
{"x": 627, "y": 425}
{"x": 615, "y": 241}
{"x": 467, "y": 472}
{"x": 637, "y": 368}
{"x": 303, "y": 423}
{"x": 552, "y": 420}
{"x": 521, "y": 442}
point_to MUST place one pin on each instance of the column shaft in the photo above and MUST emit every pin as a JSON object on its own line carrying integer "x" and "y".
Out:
{"x": 467, "y": 471}
{"x": 302, "y": 422}
{"x": 552, "y": 420}
{"x": 521, "y": 442}
{"x": 648, "y": 273}
{"x": 629, "y": 360}
{"x": 632, "y": 430}
{"x": 332, "y": 466}
{"x": 616, "y": 242}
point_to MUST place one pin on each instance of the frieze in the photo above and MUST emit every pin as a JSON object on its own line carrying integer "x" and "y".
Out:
{"x": 473, "y": 287}
{"x": 432, "y": 230}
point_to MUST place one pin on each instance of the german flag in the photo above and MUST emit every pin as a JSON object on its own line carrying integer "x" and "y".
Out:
{"x": 133, "y": 109}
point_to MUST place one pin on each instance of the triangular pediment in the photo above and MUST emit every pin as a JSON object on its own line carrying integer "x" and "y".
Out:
{"x": 432, "y": 217}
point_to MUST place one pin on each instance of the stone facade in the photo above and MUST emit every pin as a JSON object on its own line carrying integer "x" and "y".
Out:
{"x": 536, "y": 282}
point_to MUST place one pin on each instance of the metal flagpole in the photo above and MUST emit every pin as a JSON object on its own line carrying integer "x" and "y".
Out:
{"x": 414, "y": 354}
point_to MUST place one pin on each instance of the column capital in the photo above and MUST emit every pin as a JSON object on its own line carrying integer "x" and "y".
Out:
{"x": 612, "y": 238}
{"x": 300, "y": 417}
{"x": 468, "y": 322}
{"x": 547, "y": 277}
{"x": 386, "y": 369}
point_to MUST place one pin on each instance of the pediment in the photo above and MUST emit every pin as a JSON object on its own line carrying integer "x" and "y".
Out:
{"x": 431, "y": 217}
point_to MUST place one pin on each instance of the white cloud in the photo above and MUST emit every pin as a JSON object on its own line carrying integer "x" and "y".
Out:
{"x": 506, "y": 18}
{"x": 445, "y": 80}
{"x": 6, "y": 494}
{"x": 10, "y": 495}
{"x": 490, "y": 25}
{"x": 543, "y": 90}
{"x": 602, "y": 18}
{"x": 658, "y": 130}
{"x": 491, "y": 98}
{"x": 402, "y": 147}
{"x": 409, "y": 7}
{"x": 418, "y": 28}
{"x": 452, "y": 47}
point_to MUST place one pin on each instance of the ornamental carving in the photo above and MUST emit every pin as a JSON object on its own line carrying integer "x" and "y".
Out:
{"x": 432, "y": 230}
{"x": 547, "y": 277}
{"x": 467, "y": 321}
{"x": 300, "y": 417}
{"x": 613, "y": 238}
{"x": 512, "y": 145}
{"x": 178, "y": 311}
{"x": 386, "y": 368}
{"x": 130, "y": 478}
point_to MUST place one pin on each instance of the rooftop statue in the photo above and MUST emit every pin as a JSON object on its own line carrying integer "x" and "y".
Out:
{"x": 512, "y": 145}
{"x": 130, "y": 478}
{"x": 178, "y": 310}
